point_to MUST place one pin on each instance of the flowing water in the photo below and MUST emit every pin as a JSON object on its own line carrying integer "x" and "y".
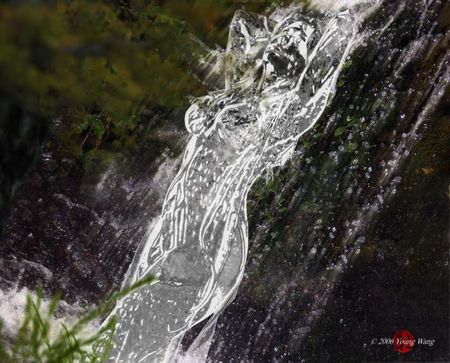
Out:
{"x": 279, "y": 75}
{"x": 344, "y": 238}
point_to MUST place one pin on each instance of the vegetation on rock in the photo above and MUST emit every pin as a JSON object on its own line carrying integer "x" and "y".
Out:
{"x": 100, "y": 66}
{"x": 35, "y": 341}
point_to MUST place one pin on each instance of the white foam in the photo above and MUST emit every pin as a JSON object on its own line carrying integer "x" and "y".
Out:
{"x": 335, "y": 4}
{"x": 12, "y": 311}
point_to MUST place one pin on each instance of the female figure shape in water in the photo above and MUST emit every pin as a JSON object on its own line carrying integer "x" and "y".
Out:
{"x": 279, "y": 73}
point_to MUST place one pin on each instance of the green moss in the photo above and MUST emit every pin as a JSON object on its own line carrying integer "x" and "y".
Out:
{"x": 97, "y": 161}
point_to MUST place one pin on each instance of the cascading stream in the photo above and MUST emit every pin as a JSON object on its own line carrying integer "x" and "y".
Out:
{"x": 279, "y": 74}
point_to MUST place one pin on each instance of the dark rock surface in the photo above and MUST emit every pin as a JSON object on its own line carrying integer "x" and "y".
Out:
{"x": 21, "y": 137}
{"x": 76, "y": 224}
{"x": 349, "y": 242}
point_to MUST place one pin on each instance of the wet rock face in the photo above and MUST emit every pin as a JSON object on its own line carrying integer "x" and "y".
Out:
{"x": 21, "y": 136}
{"x": 349, "y": 242}
{"x": 74, "y": 227}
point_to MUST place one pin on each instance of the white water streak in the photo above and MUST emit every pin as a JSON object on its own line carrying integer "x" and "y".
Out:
{"x": 279, "y": 76}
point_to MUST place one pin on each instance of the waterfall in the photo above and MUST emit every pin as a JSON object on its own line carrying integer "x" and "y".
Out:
{"x": 279, "y": 73}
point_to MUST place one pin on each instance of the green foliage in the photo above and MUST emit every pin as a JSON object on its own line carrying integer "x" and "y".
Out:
{"x": 85, "y": 61}
{"x": 34, "y": 342}
{"x": 351, "y": 146}
{"x": 339, "y": 131}
{"x": 98, "y": 65}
